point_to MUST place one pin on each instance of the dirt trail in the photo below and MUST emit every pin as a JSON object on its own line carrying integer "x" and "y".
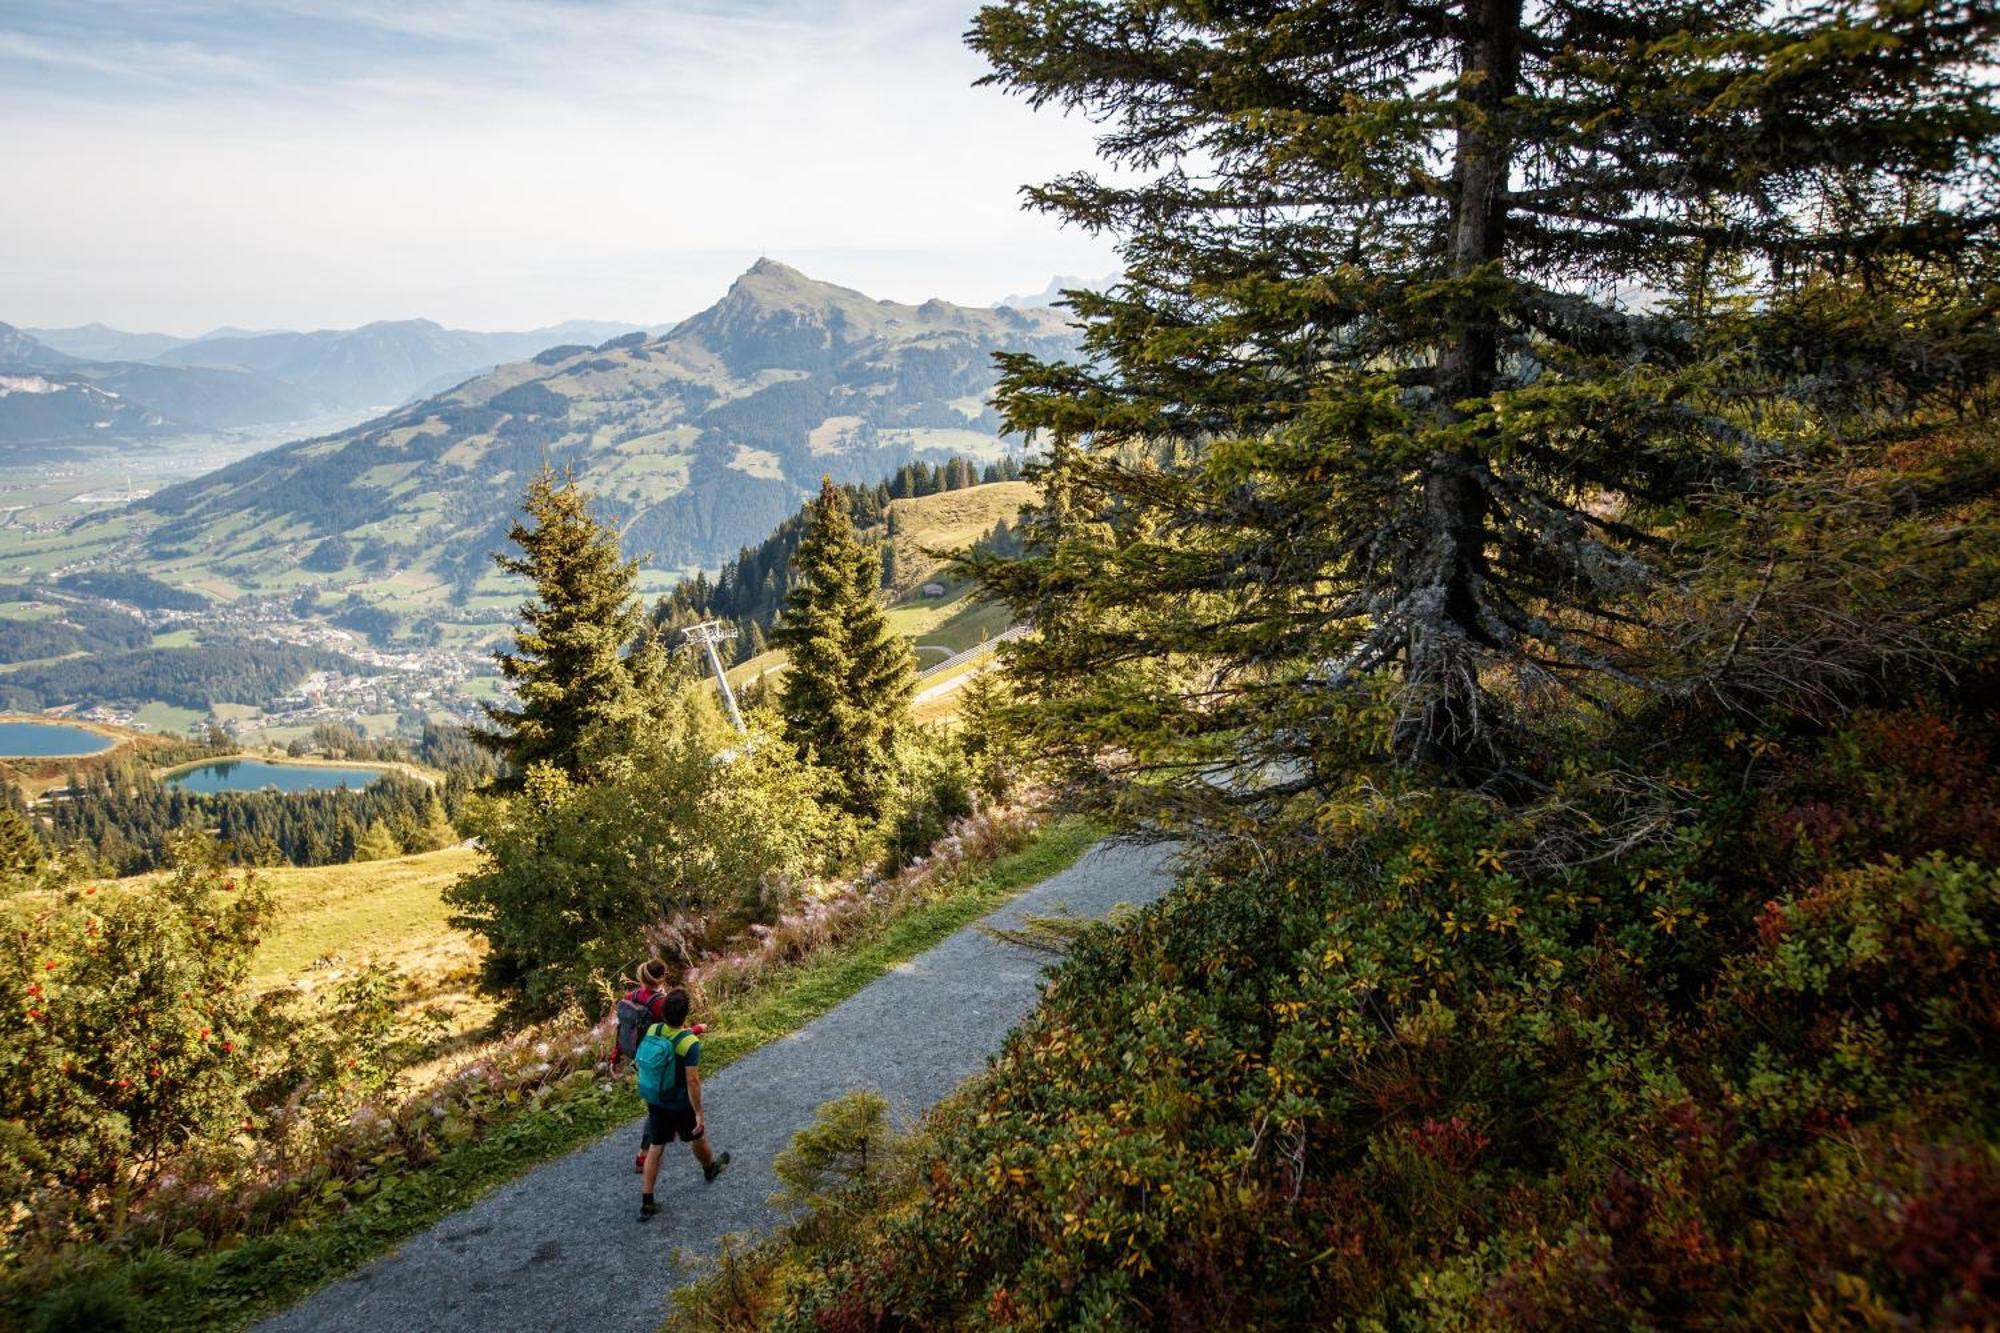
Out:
{"x": 561, "y": 1247}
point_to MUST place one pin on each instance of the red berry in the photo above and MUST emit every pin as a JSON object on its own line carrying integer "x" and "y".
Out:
{"x": 228, "y": 1046}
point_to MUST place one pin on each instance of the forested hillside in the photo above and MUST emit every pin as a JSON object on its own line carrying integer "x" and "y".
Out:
{"x": 752, "y": 590}
{"x": 219, "y": 671}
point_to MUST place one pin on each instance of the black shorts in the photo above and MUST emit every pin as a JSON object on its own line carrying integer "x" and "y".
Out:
{"x": 664, "y": 1124}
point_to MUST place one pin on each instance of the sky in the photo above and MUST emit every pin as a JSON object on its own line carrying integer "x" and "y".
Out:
{"x": 175, "y": 165}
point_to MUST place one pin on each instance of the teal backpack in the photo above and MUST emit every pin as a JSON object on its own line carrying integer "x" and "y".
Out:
{"x": 659, "y": 1061}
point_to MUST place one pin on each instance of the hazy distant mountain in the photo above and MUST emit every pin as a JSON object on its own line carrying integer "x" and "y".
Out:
{"x": 101, "y": 342}
{"x": 50, "y": 397}
{"x": 380, "y": 364}
{"x": 1052, "y": 293}
{"x": 51, "y": 409}
{"x": 22, "y": 351}
{"x": 696, "y": 442}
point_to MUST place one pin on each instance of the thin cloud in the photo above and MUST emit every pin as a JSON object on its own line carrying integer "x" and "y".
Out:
{"x": 504, "y": 163}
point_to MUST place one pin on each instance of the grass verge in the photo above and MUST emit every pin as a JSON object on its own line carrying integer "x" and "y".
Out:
{"x": 166, "y": 1290}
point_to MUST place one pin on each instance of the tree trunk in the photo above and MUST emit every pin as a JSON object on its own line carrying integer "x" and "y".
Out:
{"x": 1446, "y": 633}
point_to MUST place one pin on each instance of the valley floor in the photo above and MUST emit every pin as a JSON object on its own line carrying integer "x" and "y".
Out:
{"x": 561, "y": 1247}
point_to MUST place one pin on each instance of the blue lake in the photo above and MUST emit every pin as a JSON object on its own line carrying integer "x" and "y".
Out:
{"x": 50, "y": 740}
{"x": 261, "y": 775}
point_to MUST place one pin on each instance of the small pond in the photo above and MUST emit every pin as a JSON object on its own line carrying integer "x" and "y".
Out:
{"x": 50, "y": 740}
{"x": 262, "y": 775}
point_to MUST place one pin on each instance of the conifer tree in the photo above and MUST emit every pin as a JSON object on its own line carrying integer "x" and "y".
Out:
{"x": 435, "y": 831}
{"x": 376, "y": 843}
{"x": 20, "y": 850}
{"x": 580, "y": 663}
{"x": 1367, "y": 409}
{"x": 849, "y": 679}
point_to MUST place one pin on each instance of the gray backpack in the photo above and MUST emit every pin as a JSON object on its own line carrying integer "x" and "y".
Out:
{"x": 635, "y": 1015}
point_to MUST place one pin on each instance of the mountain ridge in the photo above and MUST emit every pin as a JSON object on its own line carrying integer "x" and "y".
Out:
{"x": 384, "y": 362}
{"x": 695, "y": 441}
{"x": 48, "y": 397}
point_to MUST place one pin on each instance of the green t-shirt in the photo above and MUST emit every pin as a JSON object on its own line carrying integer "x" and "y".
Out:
{"x": 677, "y": 1096}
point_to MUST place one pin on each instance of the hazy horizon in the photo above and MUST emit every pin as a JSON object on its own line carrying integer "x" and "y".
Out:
{"x": 307, "y": 164}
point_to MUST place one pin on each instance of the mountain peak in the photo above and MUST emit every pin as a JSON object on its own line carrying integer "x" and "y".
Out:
{"x": 774, "y": 315}
{"x": 771, "y": 282}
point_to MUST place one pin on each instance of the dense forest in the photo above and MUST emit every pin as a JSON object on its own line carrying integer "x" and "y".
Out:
{"x": 219, "y": 671}
{"x": 122, "y": 817}
{"x": 133, "y": 588}
{"x": 118, "y": 814}
{"x": 753, "y": 589}
{"x": 76, "y": 627}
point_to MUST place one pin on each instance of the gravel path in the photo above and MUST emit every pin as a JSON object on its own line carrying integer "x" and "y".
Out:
{"x": 562, "y": 1247}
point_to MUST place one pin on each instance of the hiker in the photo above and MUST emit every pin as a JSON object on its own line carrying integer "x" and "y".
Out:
{"x": 641, "y": 1007}
{"x": 668, "y": 1058}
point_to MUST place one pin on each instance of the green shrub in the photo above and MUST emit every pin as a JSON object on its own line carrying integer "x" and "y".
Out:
{"x": 933, "y": 789}
{"x": 126, "y": 1039}
{"x": 102, "y": 1305}
{"x": 838, "y": 1162}
{"x": 575, "y": 875}
{"x": 1422, "y": 1059}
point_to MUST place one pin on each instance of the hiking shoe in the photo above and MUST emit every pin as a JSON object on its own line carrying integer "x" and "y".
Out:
{"x": 646, "y": 1209}
{"x": 639, "y": 1165}
{"x": 716, "y": 1168}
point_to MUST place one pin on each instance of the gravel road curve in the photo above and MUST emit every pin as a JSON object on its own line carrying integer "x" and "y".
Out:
{"x": 562, "y": 1247}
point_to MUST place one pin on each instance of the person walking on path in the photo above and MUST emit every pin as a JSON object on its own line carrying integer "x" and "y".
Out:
{"x": 669, "y": 1060}
{"x": 642, "y": 1006}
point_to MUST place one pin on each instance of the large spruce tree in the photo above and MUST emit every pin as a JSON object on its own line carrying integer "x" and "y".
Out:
{"x": 582, "y": 665}
{"x": 1435, "y": 314}
{"x": 849, "y": 676}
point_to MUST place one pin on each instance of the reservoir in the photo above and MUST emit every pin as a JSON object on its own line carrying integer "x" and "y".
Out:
{"x": 262, "y": 775}
{"x": 50, "y": 740}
